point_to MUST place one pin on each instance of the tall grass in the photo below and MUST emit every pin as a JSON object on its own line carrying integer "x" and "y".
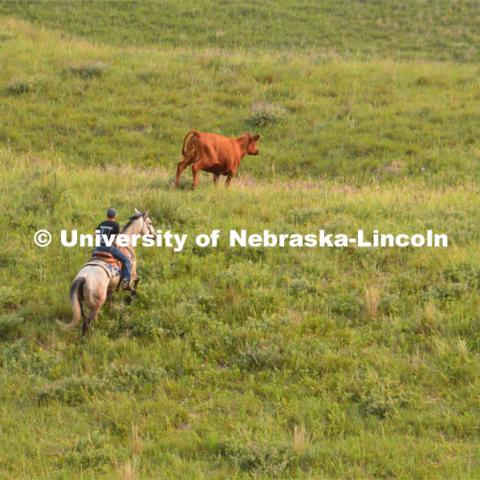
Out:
{"x": 400, "y": 29}
{"x": 256, "y": 362}
{"x": 239, "y": 362}
{"x": 360, "y": 121}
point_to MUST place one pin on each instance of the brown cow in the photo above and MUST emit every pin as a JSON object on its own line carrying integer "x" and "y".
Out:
{"x": 215, "y": 154}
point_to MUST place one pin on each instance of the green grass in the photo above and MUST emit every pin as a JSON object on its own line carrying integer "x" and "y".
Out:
{"x": 243, "y": 363}
{"x": 438, "y": 30}
{"x": 227, "y": 351}
{"x": 353, "y": 120}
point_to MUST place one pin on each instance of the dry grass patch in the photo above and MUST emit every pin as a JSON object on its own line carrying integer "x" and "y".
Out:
{"x": 372, "y": 301}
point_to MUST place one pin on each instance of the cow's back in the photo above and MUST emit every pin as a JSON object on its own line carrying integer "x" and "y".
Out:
{"x": 219, "y": 152}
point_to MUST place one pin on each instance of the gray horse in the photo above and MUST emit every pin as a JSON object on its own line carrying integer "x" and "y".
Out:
{"x": 95, "y": 283}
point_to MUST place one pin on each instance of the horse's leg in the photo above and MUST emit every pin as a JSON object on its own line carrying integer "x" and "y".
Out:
{"x": 109, "y": 299}
{"x": 84, "y": 327}
{"x": 95, "y": 302}
{"x": 88, "y": 320}
{"x": 133, "y": 292}
{"x": 215, "y": 179}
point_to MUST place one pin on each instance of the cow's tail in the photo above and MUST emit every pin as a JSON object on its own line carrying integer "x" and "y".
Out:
{"x": 76, "y": 297}
{"x": 188, "y": 142}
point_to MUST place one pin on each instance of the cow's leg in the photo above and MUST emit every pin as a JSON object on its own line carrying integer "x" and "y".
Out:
{"x": 181, "y": 167}
{"x": 204, "y": 158}
{"x": 229, "y": 179}
{"x": 215, "y": 179}
{"x": 196, "y": 167}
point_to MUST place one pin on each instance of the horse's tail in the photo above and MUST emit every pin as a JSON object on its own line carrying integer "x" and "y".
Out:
{"x": 76, "y": 297}
{"x": 188, "y": 143}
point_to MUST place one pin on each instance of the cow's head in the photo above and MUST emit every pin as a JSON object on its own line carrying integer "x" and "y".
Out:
{"x": 252, "y": 140}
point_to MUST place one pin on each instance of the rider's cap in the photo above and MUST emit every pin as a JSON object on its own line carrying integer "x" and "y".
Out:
{"x": 111, "y": 212}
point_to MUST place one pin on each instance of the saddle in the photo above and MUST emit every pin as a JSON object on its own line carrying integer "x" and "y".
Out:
{"x": 111, "y": 265}
{"x": 107, "y": 258}
{"x": 110, "y": 269}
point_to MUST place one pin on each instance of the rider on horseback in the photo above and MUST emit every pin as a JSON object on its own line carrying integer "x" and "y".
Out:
{"x": 110, "y": 228}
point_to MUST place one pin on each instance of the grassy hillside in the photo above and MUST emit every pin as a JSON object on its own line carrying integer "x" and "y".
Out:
{"x": 438, "y": 30}
{"x": 318, "y": 116}
{"x": 234, "y": 363}
{"x": 243, "y": 363}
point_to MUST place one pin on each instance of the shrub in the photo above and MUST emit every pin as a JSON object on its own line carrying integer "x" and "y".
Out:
{"x": 4, "y": 36}
{"x": 142, "y": 326}
{"x": 462, "y": 273}
{"x": 88, "y": 70}
{"x": 18, "y": 87}
{"x": 9, "y": 326}
{"x": 71, "y": 390}
{"x": 269, "y": 460}
{"x": 265, "y": 113}
{"x": 389, "y": 304}
{"x": 133, "y": 378}
{"x": 9, "y": 297}
{"x": 91, "y": 451}
{"x": 267, "y": 355}
{"x": 345, "y": 305}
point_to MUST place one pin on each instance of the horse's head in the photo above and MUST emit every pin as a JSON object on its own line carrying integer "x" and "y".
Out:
{"x": 147, "y": 226}
{"x": 140, "y": 224}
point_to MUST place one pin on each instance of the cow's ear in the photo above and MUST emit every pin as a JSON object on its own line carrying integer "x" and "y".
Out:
{"x": 256, "y": 137}
{"x": 137, "y": 212}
